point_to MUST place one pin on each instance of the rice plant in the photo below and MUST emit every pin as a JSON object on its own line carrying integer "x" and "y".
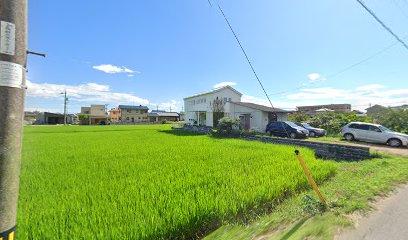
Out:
{"x": 148, "y": 182}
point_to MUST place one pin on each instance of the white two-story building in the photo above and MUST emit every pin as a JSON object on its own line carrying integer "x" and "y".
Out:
{"x": 199, "y": 109}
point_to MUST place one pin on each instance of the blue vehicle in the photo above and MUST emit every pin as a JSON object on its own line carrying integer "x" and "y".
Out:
{"x": 286, "y": 129}
{"x": 313, "y": 132}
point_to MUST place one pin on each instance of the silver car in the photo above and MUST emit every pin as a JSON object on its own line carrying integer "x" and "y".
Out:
{"x": 370, "y": 132}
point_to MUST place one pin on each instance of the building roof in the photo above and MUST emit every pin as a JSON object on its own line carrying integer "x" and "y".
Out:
{"x": 260, "y": 107}
{"x": 376, "y": 106}
{"x": 213, "y": 91}
{"x": 163, "y": 114}
{"x": 325, "y": 105}
{"x": 140, "y": 107}
{"x": 50, "y": 114}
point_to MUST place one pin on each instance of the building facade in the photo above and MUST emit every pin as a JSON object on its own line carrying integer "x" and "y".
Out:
{"x": 93, "y": 115}
{"x": 114, "y": 115}
{"x": 339, "y": 108}
{"x": 133, "y": 114}
{"x": 206, "y": 108}
{"x": 159, "y": 116}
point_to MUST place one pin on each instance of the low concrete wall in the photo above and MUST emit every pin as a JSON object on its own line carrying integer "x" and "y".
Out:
{"x": 197, "y": 129}
{"x": 322, "y": 150}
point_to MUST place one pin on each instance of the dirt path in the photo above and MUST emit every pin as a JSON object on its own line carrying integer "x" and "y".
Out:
{"x": 390, "y": 221}
{"x": 403, "y": 151}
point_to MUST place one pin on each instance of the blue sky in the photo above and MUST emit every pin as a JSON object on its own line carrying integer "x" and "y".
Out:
{"x": 157, "y": 52}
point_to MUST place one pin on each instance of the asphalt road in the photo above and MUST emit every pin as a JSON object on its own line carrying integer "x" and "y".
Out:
{"x": 388, "y": 222}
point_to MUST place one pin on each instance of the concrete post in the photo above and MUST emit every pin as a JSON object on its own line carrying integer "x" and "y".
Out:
{"x": 13, "y": 47}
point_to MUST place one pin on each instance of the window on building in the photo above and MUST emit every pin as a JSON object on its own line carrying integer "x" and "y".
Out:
{"x": 128, "y": 110}
{"x": 127, "y": 118}
{"x": 225, "y": 99}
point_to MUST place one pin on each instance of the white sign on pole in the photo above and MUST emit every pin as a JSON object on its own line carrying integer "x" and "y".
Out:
{"x": 7, "y": 38}
{"x": 11, "y": 74}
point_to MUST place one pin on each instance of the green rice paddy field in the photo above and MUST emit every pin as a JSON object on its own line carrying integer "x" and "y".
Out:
{"x": 148, "y": 182}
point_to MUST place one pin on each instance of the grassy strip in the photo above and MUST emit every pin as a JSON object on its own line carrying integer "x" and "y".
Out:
{"x": 355, "y": 185}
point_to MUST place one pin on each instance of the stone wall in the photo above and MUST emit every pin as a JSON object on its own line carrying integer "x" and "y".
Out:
{"x": 322, "y": 150}
{"x": 197, "y": 129}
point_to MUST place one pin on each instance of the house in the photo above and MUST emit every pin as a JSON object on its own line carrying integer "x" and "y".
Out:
{"x": 49, "y": 118}
{"x": 93, "y": 115}
{"x": 375, "y": 110}
{"x": 133, "y": 114}
{"x": 114, "y": 115}
{"x": 338, "y": 108}
{"x": 158, "y": 116}
{"x": 30, "y": 117}
{"x": 207, "y": 108}
{"x": 181, "y": 114}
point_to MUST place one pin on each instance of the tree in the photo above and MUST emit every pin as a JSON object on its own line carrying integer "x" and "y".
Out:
{"x": 396, "y": 120}
{"x": 84, "y": 118}
{"x": 218, "y": 110}
{"x": 298, "y": 117}
{"x": 334, "y": 122}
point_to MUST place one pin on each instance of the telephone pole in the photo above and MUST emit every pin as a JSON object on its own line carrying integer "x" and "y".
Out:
{"x": 65, "y": 106}
{"x": 13, "y": 47}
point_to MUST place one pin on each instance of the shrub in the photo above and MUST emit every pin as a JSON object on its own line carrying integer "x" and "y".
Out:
{"x": 164, "y": 121}
{"x": 228, "y": 126}
{"x": 396, "y": 120}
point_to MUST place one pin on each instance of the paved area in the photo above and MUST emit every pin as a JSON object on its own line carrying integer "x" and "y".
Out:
{"x": 389, "y": 221}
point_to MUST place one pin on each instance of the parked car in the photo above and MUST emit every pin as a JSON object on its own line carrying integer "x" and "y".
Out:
{"x": 313, "y": 132}
{"x": 286, "y": 129}
{"x": 373, "y": 133}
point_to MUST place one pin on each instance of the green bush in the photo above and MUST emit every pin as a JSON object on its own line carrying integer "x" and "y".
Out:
{"x": 396, "y": 120}
{"x": 331, "y": 121}
{"x": 228, "y": 126}
{"x": 164, "y": 121}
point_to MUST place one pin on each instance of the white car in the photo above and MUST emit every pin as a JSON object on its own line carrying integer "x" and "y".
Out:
{"x": 370, "y": 132}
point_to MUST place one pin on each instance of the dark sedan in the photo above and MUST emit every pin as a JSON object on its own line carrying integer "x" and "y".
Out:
{"x": 313, "y": 132}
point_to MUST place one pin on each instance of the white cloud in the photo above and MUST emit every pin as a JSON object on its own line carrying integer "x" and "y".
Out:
{"x": 313, "y": 76}
{"x": 173, "y": 104}
{"x": 370, "y": 87}
{"x": 223, "y": 84}
{"x": 87, "y": 92}
{"x": 111, "y": 69}
{"x": 359, "y": 97}
{"x": 286, "y": 105}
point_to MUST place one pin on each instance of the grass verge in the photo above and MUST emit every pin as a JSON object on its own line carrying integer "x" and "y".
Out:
{"x": 354, "y": 187}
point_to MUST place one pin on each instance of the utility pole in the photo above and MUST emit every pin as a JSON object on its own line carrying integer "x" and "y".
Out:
{"x": 65, "y": 106}
{"x": 13, "y": 47}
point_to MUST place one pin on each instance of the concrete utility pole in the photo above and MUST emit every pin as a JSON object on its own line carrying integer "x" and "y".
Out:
{"x": 13, "y": 46}
{"x": 65, "y": 106}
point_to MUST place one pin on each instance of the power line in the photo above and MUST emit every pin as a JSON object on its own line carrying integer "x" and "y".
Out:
{"x": 342, "y": 70}
{"x": 400, "y": 8}
{"x": 249, "y": 62}
{"x": 246, "y": 56}
{"x": 382, "y": 23}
